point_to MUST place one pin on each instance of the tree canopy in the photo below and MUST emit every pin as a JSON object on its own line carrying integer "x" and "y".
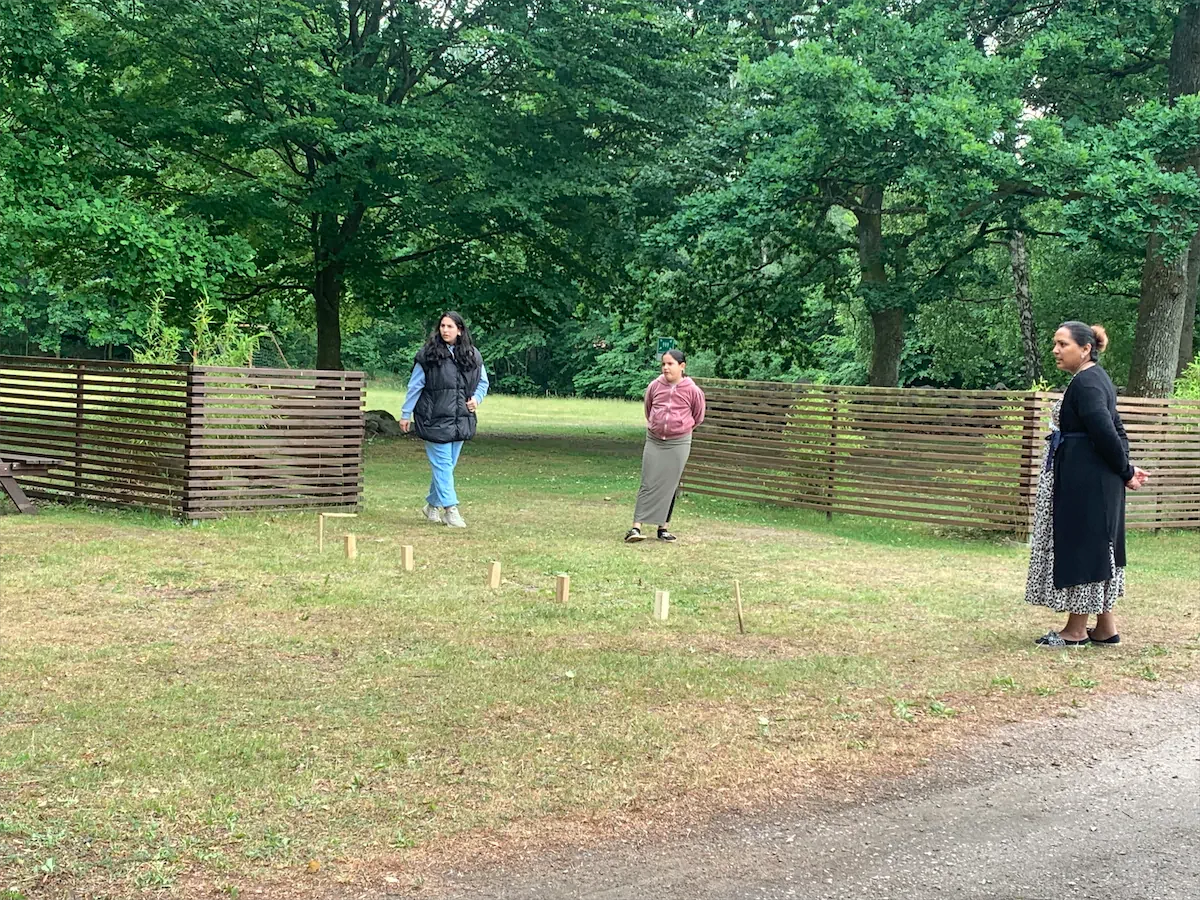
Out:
{"x": 844, "y": 191}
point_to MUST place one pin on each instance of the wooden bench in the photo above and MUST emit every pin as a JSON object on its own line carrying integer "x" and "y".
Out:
{"x": 13, "y": 466}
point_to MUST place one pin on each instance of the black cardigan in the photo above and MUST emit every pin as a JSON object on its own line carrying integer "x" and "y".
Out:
{"x": 1091, "y": 467}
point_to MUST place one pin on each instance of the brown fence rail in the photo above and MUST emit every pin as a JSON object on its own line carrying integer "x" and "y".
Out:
{"x": 192, "y": 441}
{"x": 963, "y": 458}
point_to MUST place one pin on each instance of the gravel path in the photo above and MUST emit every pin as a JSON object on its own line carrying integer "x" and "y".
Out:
{"x": 1103, "y": 806}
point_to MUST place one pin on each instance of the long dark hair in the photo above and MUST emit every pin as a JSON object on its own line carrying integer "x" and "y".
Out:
{"x": 437, "y": 349}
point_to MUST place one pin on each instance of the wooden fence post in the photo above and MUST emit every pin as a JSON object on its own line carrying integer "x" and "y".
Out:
{"x": 1030, "y": 468}
{"x": 832, "y": 453}
{"x": 189, "y": 407}
{"x": 78, "y": 430}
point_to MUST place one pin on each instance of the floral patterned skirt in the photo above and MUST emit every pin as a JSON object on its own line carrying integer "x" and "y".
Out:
{"x": 1084, "y": 599}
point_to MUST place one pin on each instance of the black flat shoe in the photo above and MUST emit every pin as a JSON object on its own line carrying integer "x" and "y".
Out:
{"x": 664, "y": 535}
{"x": 633, "y": 535}
{"x": 1114, "y": 639}
{"x": 1053, "y": 641}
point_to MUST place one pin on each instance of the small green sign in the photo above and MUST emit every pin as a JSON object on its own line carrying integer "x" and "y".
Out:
{"x": 665, "y": 344}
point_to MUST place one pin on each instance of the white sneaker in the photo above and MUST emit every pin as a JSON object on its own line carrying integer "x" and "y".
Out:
{"x": 454, "y": 518}
{"x": 433, "y": 514}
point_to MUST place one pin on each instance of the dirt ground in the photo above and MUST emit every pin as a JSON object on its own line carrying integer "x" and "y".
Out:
{"x": 1106, "y": 805}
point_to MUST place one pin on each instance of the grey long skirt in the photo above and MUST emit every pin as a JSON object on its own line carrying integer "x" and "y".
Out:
{"x": 662, "y": 467}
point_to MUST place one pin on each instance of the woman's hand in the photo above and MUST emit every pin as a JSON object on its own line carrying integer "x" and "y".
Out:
{"x": 472, "y": 405}
{"x": 404, "y": 423}
{"x": 1139, "y": 478}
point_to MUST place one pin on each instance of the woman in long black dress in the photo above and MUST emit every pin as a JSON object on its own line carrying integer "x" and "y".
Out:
{"x": 1077, "y": 554}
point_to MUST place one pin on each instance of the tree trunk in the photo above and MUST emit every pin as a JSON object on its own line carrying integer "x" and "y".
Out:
{"x": 327, "y": 292}
{"x": 888, "y": 327}
{"x": 1164, "y": 294}
{"x": 887, "y": 323}
{"x": 1160, "y": 320}
{"x": 1187, "y": 334}
{"x": 1024, "y": 297}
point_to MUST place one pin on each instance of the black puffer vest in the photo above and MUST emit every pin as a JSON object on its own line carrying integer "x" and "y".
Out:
{"x": 441, "y": 415}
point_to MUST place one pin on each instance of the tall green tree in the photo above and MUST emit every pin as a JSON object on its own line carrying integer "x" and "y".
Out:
{"x": 80, "y": 254}
{"x": 1166, "y": 294}
{"x": 383, "y": 150}
{"x": 872, "y": 157}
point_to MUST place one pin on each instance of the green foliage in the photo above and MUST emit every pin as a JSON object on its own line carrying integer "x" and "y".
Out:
{"x": 1187, "y": 385}
{"x": 160, "y": 343}
{"x": 230, "y": 344}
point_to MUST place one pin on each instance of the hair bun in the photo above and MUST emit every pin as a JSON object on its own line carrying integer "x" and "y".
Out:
{"x": 1101, "y": 337}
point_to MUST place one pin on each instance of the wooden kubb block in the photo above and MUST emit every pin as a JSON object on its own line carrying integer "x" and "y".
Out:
{"x": 662, "y": 605}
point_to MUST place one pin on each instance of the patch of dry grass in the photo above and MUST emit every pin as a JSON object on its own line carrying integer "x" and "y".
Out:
{"x": 214, "y": 707}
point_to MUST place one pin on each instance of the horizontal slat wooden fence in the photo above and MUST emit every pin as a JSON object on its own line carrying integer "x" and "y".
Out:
{"x": 118, "y": 428}
{"x": 1164, "y": 439}
{"x": 192, "y": 441}
{"x": 949, "y": 457}
{"x": 272, "y": 438}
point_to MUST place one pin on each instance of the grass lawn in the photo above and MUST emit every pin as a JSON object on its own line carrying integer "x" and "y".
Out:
{"x": 526, "y": 417}
{"x": 215, "y": 710}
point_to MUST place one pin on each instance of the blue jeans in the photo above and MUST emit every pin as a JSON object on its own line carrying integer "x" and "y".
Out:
{"x": 442, "y": 459}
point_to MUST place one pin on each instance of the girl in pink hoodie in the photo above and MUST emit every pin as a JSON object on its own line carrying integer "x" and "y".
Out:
{"x": 674, "y": 406}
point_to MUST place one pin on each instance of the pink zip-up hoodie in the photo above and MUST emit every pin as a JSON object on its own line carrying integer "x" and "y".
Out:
{"x": 673, "y": 410}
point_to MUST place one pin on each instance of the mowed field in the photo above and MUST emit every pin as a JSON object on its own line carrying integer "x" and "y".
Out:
{"x": 219, "y": 710}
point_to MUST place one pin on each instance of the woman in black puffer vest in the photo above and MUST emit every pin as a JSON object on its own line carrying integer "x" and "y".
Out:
{"x": 448, "y": 383}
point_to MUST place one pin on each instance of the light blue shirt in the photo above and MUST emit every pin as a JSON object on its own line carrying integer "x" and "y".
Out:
{"x": 416, "y": 384}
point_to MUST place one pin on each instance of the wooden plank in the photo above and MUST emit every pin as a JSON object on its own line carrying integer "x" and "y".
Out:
{"x": 276, "y": 440}
{"x": 795, "y": 411}
{"x": 854, "y": 390}
{"x": 62, "y": 393}
{"x": 87, "y": 492}
{"x": 131, "y": 455}
{"x": 1002, "y": 507}
{"x": 139, "y": 474}
{"x": 349, "y": 499}
{"x": 94, "y": 414}
{"x": 204, "y": 403}
{"x": 96, "y": 425}
{"x": 817, "y": 432}
{"x": 255, "y": 371}
{"x": 246, "y": 478}
{"x": 210, "y": 455}
{"x": 214, "y": 394}
{"x": 858, "y": 467}
{"x": 209, "y": 383}
{"x": 1010, "y": 432}
{"x": 58, "y": 362}
{"x": 802, "y": 504}
{"x": 308, "y": 490}
{"x": 115, "y": 486}
{"x": 916, "y": 482}
{"x": 171, "y": 389}
{"x": 125, "y": 503}
{"x": 851, "y": 459}
{"x": 1005, "y": 458}
{"x": 8, "y": 484}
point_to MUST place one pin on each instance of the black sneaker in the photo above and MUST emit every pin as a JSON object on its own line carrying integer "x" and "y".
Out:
{"x": 633, "y": 535}
{"x": 664, "y": 535}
